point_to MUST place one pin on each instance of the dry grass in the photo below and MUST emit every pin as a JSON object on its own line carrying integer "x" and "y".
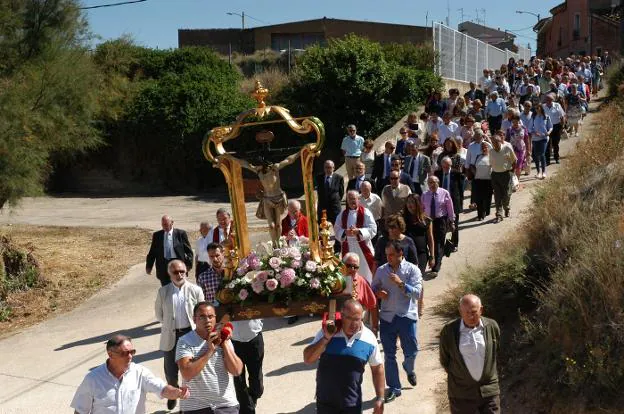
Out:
{"x": 76, "y": 262}
{"x": 273, "y": 79}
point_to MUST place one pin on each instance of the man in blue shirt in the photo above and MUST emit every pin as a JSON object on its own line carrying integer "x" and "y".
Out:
{"x": 494, "y": 111}
{"x": 343, "y": 357}
{"x": 399, "y": 284}
{"x": 351, "y": 147}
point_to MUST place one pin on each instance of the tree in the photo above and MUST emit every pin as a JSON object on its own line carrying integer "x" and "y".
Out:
{"x": 49, "y": 93}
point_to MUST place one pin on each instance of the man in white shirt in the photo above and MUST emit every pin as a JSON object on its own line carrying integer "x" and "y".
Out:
{"x": 119, "y": 385}
{"x": 370, "y": 200}
{"x": 468, "y": 352}
{"x": 249, "y": 346}
{"x": 202, "y": 262}
{"x": 174, "y": 309}
{"x": 448, "y": 129}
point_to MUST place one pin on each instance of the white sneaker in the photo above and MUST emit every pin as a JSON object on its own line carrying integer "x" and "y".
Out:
{"x": 543, "y": 176}
{"x": 539, "y": 175}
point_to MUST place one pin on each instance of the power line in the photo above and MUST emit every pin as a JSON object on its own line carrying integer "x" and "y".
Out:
{"x": 111, "y": 4}
{"x": 258, "y": 20}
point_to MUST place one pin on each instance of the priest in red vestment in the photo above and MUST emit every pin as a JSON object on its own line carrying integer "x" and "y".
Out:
{"x": 294, "y": 224}
{"x": 355, "y": 227}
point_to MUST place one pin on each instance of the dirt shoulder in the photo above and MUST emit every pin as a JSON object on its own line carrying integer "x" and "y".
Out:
{"x": 76, "y": 262}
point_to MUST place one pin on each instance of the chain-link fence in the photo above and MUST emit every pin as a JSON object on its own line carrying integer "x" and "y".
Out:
{"x": 463, "y": 58}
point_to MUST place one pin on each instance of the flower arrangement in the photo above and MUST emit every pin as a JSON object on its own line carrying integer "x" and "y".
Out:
{"x": 280, "y": 274}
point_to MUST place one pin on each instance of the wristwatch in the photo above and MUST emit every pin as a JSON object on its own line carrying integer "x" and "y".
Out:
{"x": 402, "y": 285}
{"x": 380, "y": 399}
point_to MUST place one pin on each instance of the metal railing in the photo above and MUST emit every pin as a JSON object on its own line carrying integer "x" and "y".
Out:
{"x": 463, "y": 58}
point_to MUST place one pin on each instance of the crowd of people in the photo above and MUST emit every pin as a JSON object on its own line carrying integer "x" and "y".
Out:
{"x": 400, "y": 218}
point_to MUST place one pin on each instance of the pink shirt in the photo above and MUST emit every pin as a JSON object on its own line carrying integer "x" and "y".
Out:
{"x": 443, "y": 204}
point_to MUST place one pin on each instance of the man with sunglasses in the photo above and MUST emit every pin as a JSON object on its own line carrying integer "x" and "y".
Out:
{"x": 174, "y": 309}
{"x": 119, "y": 385}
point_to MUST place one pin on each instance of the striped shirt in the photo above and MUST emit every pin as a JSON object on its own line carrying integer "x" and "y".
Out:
{"x": 213, "y": 387}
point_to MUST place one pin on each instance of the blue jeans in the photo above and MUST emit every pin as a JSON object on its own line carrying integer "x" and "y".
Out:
{"x": 539, "y": 154}
{"x": 405, "y": 329}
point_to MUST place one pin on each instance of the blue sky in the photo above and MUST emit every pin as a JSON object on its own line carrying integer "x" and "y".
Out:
{"x": 154, "y": 23}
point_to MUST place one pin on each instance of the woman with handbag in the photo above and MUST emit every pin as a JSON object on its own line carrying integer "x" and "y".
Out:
{"x": 482, "y": 182}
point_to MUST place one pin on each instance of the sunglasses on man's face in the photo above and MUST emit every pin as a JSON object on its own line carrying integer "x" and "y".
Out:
{"x": 125, "y": 353}
{"x": 352, "y": 266}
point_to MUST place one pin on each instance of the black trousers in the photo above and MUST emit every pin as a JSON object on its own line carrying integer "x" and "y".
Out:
{"x": 495, "y": 123}
{"x": 439, "y": 238}
{"x": 482, "y": 190}
{"x": 201, "y": 267}
{"x": 252, "y": 355}
{"x": 171, "y": 368}
{"x": 455, "y": 234}
{"x": 553, "y": 143}
{"x": 322, "y": 408}
{"x": 489, "y": 405}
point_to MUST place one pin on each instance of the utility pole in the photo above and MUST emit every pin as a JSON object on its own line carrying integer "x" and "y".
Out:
{"x": 484, "y": 21}
{"x": 448, "y": 13}
{"x": 461, "y": 11}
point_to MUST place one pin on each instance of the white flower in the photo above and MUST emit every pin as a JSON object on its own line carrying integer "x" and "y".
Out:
{"x": 311, "y": 266}
{"x": 231, "y": 285}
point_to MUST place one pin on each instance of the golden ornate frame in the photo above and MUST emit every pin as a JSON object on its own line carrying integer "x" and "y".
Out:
{"x": 215, "y": 153}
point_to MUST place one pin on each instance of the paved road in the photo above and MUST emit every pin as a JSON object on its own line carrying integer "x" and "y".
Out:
{"x": 41, "y": 366}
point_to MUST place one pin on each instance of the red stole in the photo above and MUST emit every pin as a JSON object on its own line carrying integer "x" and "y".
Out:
{"x": 215, "y": 235}
{"x": 359, "y": 223}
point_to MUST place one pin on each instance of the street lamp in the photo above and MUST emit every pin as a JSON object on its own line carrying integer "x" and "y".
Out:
{"x": 528, "y": 12}
{"x": 242, "y": 16}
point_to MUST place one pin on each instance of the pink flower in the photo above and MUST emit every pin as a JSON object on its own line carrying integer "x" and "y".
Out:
{"x": 257, "y": 286}
{"x": 271, "y": 284}
{"x": 262, "y": 277}
{"x": 294, "y": 252}
{"x": 275, "y": 262}
{"x": 288, "y": 277}
{"x": 283, "y": 252}
{"x": 243, "y": 294}
{"x": 310, "y": 266}
{"x": 254, "y": 262}
{"x": 315, "y": 283}
{"x": 296, "y": 264}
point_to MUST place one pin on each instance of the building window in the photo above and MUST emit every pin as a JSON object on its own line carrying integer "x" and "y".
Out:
{"x": 576, "y": 31}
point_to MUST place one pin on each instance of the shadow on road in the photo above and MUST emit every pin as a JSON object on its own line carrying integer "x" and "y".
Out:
{"x": 303, "y": 341}
{"x": 308, "y": 409}
{"x": 299, "y": 366}
{"x": 138, "y": 332}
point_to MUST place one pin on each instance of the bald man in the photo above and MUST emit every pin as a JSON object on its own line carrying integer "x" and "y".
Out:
{"x": 168, "y": 244}
{"x": 468, "y": 353}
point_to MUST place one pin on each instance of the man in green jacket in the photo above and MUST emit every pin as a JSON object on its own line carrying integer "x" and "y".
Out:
{"x": 468, "y": 351}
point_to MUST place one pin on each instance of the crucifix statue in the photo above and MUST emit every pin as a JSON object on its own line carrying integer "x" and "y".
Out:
{"x": 266, "y": 156}
{"x": 273, "y": 201}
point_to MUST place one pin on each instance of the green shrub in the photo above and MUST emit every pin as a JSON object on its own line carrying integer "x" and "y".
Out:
{"x": 351, "y": 81}
{"x": 615, "y": 80}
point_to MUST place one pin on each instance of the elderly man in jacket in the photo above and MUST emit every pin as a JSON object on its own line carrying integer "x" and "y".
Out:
{"x": 468, "y": 351}
{"x": 174, "y": 309}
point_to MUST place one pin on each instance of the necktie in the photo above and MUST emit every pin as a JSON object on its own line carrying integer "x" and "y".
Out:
{"x": 358, "y": 182}
{"x": 412, "y": 167}
{"x": 327, "y": 183}
{"x": 433, "y": 206}
{"x": 387, "y": 165}
{"x": 446, "y": 182}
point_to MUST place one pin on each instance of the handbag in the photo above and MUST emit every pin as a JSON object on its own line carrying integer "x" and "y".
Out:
{"x": 449, "y": 246}
{"x": 515, "y": 183}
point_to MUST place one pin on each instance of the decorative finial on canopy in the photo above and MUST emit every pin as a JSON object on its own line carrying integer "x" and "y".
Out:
{"x": 259, "y": 93}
